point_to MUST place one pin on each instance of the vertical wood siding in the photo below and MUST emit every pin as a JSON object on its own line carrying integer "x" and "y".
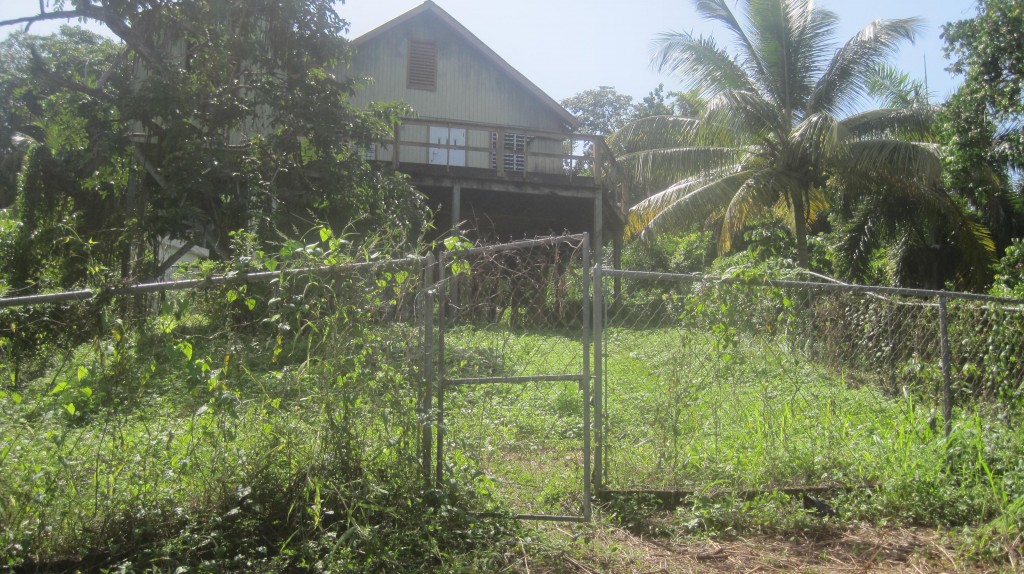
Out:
{"x": 469, "y": 87}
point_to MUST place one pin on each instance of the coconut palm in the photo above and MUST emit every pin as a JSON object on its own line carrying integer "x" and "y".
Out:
{"x": 782, "y": 122}
{"x": 913, "y": 237}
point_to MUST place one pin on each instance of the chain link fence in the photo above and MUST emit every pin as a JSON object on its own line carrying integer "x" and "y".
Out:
{"x": 226, "y": 398}
{"x": 480, "y": 365}
{"x": 742, "y": 383}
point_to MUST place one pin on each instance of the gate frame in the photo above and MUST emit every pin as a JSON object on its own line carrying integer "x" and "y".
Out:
{"x": 436, "y": 380}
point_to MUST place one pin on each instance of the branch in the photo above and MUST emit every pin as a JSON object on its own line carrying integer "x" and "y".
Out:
{"x": 110, "y": 71}
{"x": 63, "y": 82}
{"x": 135, "y": 41}
{"x": 62, "y": 15}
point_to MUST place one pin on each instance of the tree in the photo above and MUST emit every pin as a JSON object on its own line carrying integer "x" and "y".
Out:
{"x": 236, "y": 118}
{"x": 913, "y": 239}
{"x": 982, "y": 123}
{"x": 779, "y": 129}
{"x": 604, "y": 111}
{"x": 601, "y": 111}
{"x": 62, "y": 147}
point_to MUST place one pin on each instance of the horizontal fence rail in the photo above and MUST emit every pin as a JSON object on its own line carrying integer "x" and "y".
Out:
{"x": 215, "y": 280}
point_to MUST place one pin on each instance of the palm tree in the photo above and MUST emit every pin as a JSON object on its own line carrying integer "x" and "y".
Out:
{"x": 915, "y": 237}
{"x": 781, "y": 126}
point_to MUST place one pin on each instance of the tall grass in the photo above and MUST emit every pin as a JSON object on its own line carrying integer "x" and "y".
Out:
{"x": 236, "y": 430}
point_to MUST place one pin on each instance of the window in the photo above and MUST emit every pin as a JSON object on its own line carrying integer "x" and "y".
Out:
{"x": 513, "y": 151}
{"x": 444, "y": 143}
{"x": 422, "y": 72}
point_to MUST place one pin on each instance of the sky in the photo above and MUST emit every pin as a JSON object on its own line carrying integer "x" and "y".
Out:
{"x": 567, "y": 46}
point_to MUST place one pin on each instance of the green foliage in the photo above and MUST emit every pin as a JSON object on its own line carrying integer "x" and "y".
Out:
{"x": 67, "y": 196}
{"x": 1009, "y": 281}
{"x": 601, "y": 111}
{"x": 981, "y": 121}
{"x": 213, "y": 116}
{"x": 683, "y": 253}
{"x": 239, "y": 427}
{"x": 781, "y": 129}
{"x": 604, "y": 111}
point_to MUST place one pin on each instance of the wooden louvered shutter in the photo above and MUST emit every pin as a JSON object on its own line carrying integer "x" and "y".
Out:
{"x": 422, "y": 66}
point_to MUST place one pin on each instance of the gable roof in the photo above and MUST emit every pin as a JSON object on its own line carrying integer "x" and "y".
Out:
{"x": 432, "y": 9}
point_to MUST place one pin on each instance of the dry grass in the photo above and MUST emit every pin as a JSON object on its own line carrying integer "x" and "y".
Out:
{"x": 861, "y": 549}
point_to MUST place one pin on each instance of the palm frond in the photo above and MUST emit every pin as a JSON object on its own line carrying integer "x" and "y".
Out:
{"x": 700, "y": 62}
{"x": 753, "y": 198}
{"x": 688, "y": 201}
{"x": 656, "y": 132}
{"x": 843, "y": 85}
{"x": 895, "y": 89}
{"x": 914, "y": 123}
{"x": 747, "y": 113}
{"x": 792, "y": 38}
{"x": 656, "y": 169}
{"x": 872, "y": 158}
{"x": 859, "y": 238}
{"x": 718, "y": 11}
{"x": 820, "y": 137}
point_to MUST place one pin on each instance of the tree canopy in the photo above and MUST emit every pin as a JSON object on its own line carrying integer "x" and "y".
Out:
{"x": 784, "y": 127}
{"x": 220, "y": 115}
{"x": 984, "y": 120}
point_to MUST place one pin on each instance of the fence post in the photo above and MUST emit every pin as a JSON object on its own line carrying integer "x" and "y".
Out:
{"x": 441, "y": 369}
{"x": 598, "y": 322}
{"x": 426, "y": 407}
{"x": 585, "y": 380}
{"x": 947, "y": 391}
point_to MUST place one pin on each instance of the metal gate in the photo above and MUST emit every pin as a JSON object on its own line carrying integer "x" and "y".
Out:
{"x": 511, "y": 395}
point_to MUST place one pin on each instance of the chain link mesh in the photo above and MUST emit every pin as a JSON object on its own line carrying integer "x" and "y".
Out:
{"x": 147, "y": 402}
{"x": 725, "y": 383}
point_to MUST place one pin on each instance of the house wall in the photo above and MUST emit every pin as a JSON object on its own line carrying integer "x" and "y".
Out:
{"x": 470, "y": 88}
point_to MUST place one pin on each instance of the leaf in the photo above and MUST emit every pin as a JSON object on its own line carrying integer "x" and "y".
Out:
{"x": 186, "y": 348}
{"x": 232, "y": 295}
{"x": 70, "y": 408}
{"x": 60, "y": 388}
{"x": 250, "y": 303}
{"x": 325, "y": 234}
{"x": 83, "y": 372}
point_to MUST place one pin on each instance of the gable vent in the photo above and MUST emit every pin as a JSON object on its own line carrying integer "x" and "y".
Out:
{"x": 422, "y": 66}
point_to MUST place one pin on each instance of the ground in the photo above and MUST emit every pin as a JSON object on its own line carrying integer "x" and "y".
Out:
{"x": 859, "y": 548}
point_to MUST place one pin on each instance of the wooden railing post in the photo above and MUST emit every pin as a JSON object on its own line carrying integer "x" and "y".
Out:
{"x": 499, "y": 147}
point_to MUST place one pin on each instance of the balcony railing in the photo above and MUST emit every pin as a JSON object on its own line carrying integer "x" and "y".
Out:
{"x": 504, "y": 152}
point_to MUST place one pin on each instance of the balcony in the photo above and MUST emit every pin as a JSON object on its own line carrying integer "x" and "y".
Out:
{"x": 444, "y": 153}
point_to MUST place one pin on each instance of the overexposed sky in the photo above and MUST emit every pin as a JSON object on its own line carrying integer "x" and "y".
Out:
{"x": 567, "y": 46}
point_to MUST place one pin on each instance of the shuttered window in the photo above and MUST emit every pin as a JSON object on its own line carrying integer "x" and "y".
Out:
{"x": 422, "y": 66}
{"x": 513, "y": 151}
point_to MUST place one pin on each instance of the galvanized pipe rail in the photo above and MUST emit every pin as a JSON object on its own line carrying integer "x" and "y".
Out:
{"x": 810, "y": 285}
{"x": 182, "y": 284}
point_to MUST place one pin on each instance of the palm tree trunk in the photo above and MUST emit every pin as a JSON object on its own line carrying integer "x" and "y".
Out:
{"x": 800, "y": 229}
